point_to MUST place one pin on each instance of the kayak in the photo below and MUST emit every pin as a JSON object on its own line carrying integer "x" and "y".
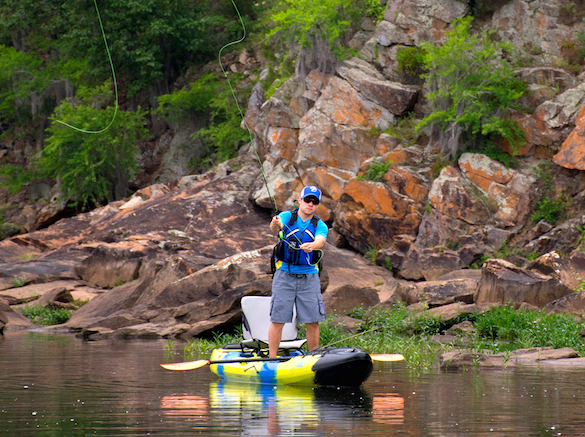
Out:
{"x": 341, "y": 367}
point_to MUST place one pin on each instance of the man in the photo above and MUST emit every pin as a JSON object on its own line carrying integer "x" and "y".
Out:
{"x": 296, "y": 279}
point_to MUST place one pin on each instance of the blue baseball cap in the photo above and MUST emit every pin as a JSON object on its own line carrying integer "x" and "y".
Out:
{"x": 311, "y": 190}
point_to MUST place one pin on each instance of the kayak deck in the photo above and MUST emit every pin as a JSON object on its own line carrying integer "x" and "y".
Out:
{"x": 329, "y": 367}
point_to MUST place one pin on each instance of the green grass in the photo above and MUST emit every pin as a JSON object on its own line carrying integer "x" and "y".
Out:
{"x": 206, "y": 345}
{"x": 45, "y": 316}
{"x": 398, "y": 330}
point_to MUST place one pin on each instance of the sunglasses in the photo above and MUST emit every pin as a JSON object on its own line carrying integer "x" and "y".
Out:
{"x": 311, "y": 199}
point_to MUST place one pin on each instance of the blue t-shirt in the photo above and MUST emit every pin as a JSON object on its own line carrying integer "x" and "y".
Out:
{"x": 321, "y": 229}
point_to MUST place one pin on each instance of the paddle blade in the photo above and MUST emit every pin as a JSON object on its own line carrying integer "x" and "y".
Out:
{"x": 387, "y": 357}
{"x": 188, "y": 365}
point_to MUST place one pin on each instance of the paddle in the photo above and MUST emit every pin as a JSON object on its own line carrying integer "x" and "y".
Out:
{"x": 192, "y": 365}
{"x": 386, "y": 357}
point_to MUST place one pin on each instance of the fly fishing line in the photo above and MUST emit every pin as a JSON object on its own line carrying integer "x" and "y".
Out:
{"x": 240, "y": 109}
{"x": 114, "y": 79}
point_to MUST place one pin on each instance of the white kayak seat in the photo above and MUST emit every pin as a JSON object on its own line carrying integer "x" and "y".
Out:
{"x": 256, "y": 321}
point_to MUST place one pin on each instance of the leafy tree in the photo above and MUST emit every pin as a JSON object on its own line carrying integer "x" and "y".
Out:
{"x": 224, "y": 131}
{"x": 151, "y": 41}
{"x": 28, "y": 83}
{"x": 93, "y": 168}
{"x": 317, "y": 29}
{"x": 19, "y": 77}
{"x": 471, "y": 87}
{"x": 194, "y": 97}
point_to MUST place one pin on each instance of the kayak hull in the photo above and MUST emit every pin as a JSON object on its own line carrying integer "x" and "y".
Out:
{"x": 342, "y": 367}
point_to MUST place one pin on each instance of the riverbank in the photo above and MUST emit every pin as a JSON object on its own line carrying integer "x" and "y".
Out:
{"x": 501, "y": 337}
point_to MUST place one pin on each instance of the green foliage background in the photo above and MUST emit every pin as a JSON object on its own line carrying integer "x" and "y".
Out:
{"x": 93, "y": 168}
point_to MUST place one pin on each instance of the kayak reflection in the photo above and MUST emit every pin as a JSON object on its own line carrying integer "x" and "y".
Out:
{"x": 267, "y": 410}
{"x": 275, "y": 410}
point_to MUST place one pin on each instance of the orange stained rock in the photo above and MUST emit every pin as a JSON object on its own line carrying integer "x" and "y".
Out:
{"x": 284, "y": 141}
{"x": 398, "y": 156}
{"x": 412, "y": 185}
{"x": 332, "y": 181}
{"x": 374, "y": 197}
{"x": 572, "y": 152}
{"x": 483, "y": 171}
{"x": 348, "y": 108}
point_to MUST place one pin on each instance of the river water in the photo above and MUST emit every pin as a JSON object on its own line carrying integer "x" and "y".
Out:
{"x": 58, "y": 385}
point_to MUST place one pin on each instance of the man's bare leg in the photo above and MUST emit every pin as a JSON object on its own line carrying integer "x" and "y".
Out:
{"x": 312, "y": 336}
{"x": 274, "y": 337}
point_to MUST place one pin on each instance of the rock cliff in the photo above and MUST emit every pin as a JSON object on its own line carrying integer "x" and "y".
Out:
{"x": 174, "y": 259}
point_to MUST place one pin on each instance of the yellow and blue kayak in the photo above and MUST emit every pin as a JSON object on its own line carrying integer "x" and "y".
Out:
{"x": 341, "y": 367}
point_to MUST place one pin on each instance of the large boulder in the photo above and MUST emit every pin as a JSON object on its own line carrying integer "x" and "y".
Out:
{"x": 503, "y": 282}
{"x": 109, "y": 266}
{"x": 372, "y": 214}
{"x": 437, "y": 293}
{"x": 336, "y": 132}
{"x": 10, "y": 319}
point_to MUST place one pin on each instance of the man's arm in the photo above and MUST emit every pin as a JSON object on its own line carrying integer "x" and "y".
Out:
{"x": 320, "y": 238}
{"x": 314, "y": 245}
{"x": 275, "y": 224}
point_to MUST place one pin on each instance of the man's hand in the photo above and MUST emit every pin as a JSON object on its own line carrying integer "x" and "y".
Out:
{"x": 275, "y": 224}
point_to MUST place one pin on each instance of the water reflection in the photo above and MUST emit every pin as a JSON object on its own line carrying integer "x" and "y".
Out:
{"x": 58, "y": 385}
{"x": 266, "y": 410}
{"x": 388, "y": 408}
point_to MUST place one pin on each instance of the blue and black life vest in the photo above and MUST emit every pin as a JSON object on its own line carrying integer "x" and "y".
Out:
{"x": 287, "y": 249}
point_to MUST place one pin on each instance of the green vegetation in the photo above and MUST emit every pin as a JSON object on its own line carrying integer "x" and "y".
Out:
{"x": 411, "y": 63}
{"x": 398, "y": 330}
{"x": 18, "y": 281}
{"x": 7, "y": 229}
{"x": 92, "y": 168}
{"x": 301, "y": 24}
{"x": 494, "y": 152}
{"x": 45, "y": 316}
{"x": 151, "y": 41}
{"x": 371, "y": 252}
{"x": 546, "y": 208}
{"x": 224, "y": 133}
{"x": 404, "y": 130}
{"x": 194, "y": 97}
{"x": 50, "y": 51}
{"x": 375, "y": 171}
{"x": 471, "y": 86}
{"x": 209, "y": 95}
{"x": 217, "y": 340}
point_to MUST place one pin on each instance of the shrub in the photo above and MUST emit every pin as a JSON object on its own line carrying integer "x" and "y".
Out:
{"x": 375, "y": 171}
{"x": 46, "y": 316}
{"x": 315, "y": 31}
{"x": 547, "y": 209}
{"x": 93, "y": 168}
{"x": 194, "y": 97}
{"x": 471, "y": 87}
{"x": 411, "y": 63}
{"x": 224, "y": 131}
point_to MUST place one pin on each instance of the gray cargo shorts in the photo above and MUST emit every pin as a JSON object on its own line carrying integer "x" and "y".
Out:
{"x": 289, "y": 289}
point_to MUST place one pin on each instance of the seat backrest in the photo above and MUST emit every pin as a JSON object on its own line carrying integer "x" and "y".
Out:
{"x": 256, "y": 319}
